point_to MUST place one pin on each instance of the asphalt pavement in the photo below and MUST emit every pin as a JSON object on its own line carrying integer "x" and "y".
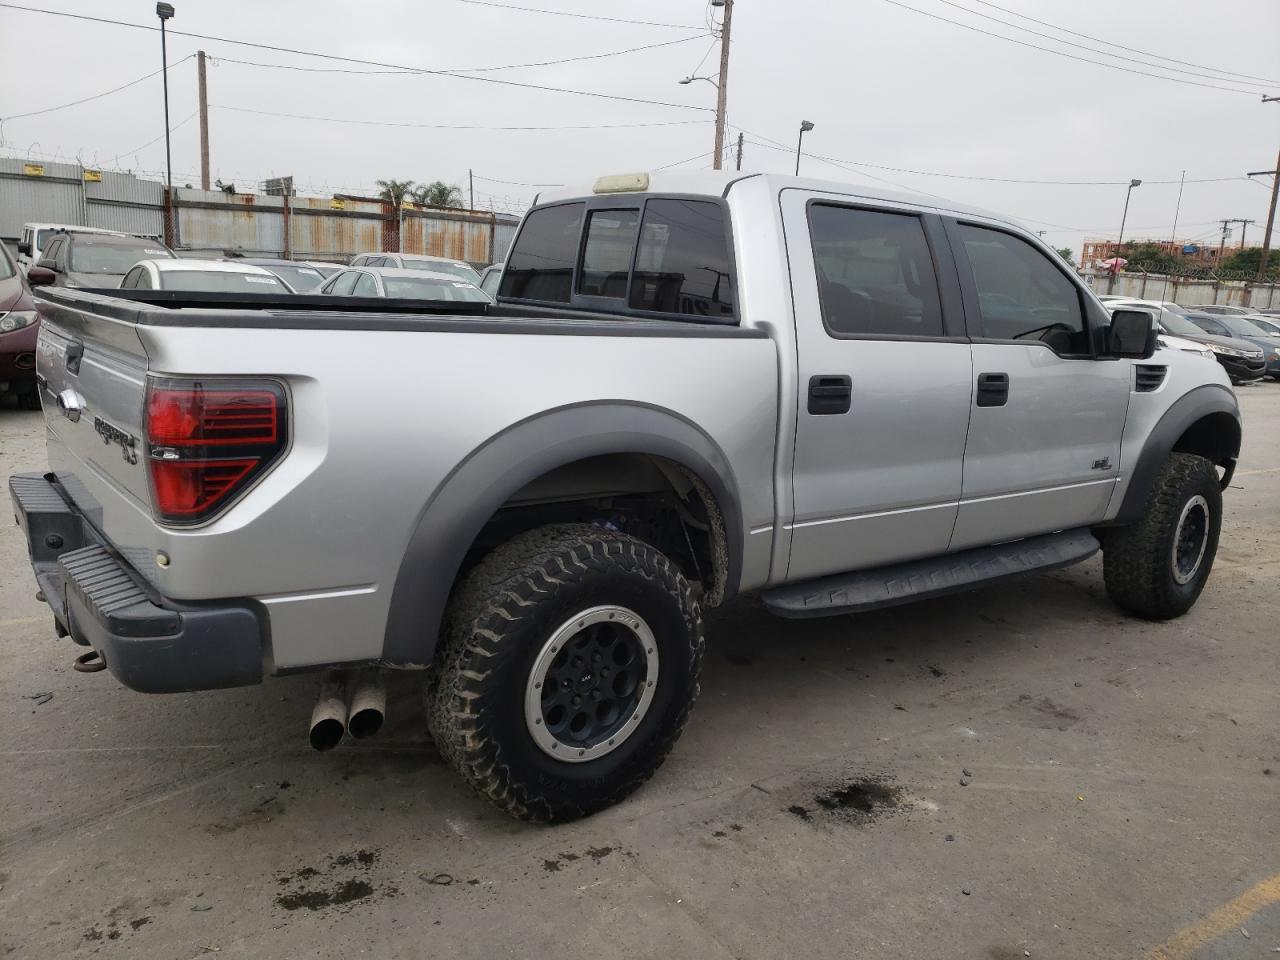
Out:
{"x": 1021, "y": 771}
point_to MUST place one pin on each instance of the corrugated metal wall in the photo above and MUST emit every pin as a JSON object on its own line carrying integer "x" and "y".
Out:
{"x": 122, "y": 202}
{"x": 212, "y": 222}
{"x": 56, "y": 196}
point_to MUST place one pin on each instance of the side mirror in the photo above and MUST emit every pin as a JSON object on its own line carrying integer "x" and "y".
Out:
{"x": 24, "y": 248}
{"x": 41, "y": 276}
{"x": 1132, "y": 335}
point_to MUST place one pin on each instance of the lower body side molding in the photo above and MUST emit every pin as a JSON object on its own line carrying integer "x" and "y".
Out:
{"x": 921, "y": 579}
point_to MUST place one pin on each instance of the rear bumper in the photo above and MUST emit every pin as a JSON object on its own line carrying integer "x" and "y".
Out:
{"x": 149, "y": 643}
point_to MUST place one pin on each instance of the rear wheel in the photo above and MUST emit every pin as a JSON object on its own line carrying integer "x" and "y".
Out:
{"x": 567, "y": 670}
{"x": 1156, "y": 567}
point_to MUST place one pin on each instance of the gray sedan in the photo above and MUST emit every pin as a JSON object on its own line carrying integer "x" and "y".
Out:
{"x": 402, "y": 284}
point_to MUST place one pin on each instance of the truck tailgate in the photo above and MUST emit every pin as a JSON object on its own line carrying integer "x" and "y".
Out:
{"x": 92, "y": 372}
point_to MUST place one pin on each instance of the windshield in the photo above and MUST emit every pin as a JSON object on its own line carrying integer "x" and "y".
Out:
{"x": 444, "y": 266}
{"x": 411, "y": 288}
{"x": 301, "y": 279}
{"x": 220, "y": 281}
{"x": 1179, "y": 326}
{"x": 1240, "y": 326}
{"x": 113, "y": 257}
{"x": 43, "y": 237}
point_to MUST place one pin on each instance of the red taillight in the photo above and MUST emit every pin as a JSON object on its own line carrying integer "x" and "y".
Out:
{"x": 206, "y": 441}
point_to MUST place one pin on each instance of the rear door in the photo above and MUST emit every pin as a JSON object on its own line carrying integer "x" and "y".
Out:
{"x": 1047, "y": 412}
{"x": 885, "y": 381}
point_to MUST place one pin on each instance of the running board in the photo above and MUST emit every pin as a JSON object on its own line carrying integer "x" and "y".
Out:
{"x": 921, "y": 579}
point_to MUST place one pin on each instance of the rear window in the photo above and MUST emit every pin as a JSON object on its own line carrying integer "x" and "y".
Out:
{"x": 220, "y": 281}
{"x": 113, "y": 256}
{"x": 682, "y": 265}
{"x": 300, "y": 278}
{"x": 540, "y": 266}
{"x": 606, "y": 255}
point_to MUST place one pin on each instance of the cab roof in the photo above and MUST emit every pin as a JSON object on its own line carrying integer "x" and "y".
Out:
{"x": 718, "y": 183}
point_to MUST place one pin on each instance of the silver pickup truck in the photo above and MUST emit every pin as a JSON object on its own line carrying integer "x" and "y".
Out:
{"x": 691, "y": 386}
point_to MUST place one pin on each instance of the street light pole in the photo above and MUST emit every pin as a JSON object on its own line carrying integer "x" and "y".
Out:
{"x": 1271, "y": 213}
{"x": 722, "y": 88}
{"x": 1120, "y": 242}
{"x": 165, "y": 11}
{"x": 805, "y": 127}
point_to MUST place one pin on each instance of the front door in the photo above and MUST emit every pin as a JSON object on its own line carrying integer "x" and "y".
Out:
{"x": 884, "y": 385}
{"x": 1047, "y": 415}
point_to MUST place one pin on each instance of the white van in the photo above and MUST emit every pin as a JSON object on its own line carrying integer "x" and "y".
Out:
{"x": 36, "y": 237}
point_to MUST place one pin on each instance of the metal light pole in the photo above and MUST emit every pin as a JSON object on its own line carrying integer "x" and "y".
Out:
{"x": 165, "y": 11}
{"x": 1120, "y": 243}
{"x": 805, "y": 127}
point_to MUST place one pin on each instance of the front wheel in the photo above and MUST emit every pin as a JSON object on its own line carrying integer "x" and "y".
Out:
{"x": 1156, "y": 567}
{"x": 567, "y": 670}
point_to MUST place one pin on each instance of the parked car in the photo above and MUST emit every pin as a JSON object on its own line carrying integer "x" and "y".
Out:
{"x": 1270, "y": 312}
{"x": 1244, "y": 362}
{"x": 18, "y": 326}
{"x": 1265, "y": 323}
{"x": 692, "y": 385}
{"x": 403, "y": 285}
{"x": 302, "y": 277}
{"x": 92, "y": 260}
{"x": 1217, "y": 309}
{"x": 490, "y": 277}
{"x": 1242, "y": 328}
{"x": 326, "y": 269}
{"x": 203, "y": 276}
{"x": 413, "y": 261}
{"x": 36, "y": 236}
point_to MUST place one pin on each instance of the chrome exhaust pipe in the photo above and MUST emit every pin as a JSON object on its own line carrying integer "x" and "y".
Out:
{"x": 329, "y": 717}
{"x": 368, "y": 705}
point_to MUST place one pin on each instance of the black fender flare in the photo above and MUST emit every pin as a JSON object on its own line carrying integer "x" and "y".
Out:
{"x": 468, "y": 497}
{"x": 1187, "y": 410}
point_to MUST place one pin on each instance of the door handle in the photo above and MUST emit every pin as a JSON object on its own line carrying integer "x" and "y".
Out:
{"x": 993, "y": 389}
{"x": 830, "y": 394}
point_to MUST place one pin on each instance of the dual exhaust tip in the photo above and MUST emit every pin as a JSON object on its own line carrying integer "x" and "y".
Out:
{"x": 349, "y": 701}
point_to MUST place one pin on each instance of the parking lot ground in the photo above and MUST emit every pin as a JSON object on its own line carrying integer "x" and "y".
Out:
{"x": 1021, "y": 771}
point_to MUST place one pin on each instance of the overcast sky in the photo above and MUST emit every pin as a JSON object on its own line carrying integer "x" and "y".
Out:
{"x": 882, "y": 84}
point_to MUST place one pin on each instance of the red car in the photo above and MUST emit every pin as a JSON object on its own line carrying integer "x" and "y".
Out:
{"x": 18, "y": 327}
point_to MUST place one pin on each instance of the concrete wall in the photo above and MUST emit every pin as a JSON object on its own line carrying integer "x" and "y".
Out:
{"x": 1188, "y": 293}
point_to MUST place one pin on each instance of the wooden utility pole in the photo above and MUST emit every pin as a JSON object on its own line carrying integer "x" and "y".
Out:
{"x": 204, "y": 121}
{"x": 738, "y": 166}
{"x": 1244, "y": 225}
{"x": 722, "y": 88}
{"x": 471, "y": 186}
{"x": 1222, "y": 244}
{"x": 1271, "y": 222}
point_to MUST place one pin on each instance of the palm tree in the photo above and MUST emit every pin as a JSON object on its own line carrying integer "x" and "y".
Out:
{"x": 394, "y": 190}
{"x": 438, "y": 194}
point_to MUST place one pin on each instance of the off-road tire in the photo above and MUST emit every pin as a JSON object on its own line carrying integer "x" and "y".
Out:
{"x": 499, "y": 618}
{"x": 1138, "y": 563}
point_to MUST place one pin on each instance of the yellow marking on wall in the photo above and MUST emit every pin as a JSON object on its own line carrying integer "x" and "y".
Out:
{"x": 1226, "y": 919}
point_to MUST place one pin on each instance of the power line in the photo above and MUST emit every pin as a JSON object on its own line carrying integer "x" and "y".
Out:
{"x": 492, "y": 69}
{"x": 1069, "y": 56}
{"x": 97, "y": 96}
{"x": 515, "y": 183}
{"x": 1121, "y": 46}
{"x": 580, "y": 16}
{"x": 180, "y": 123}
{"x": 367, "y": 63}
{"x": 1079, "y": 46}
{"x": 699, "y": 156}
{"x": 455, "y": 126}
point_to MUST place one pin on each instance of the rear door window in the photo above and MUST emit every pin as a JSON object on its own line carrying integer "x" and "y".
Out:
{"x": 682, "y": 264}
{"x": 540, "y": 266}
{"x": 1022, "y": 295}
{"x": 875, "y": 273}
{"x": 344, "y": 284}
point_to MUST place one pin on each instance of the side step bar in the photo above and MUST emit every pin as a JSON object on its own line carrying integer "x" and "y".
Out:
{"x": 921, "y": 579}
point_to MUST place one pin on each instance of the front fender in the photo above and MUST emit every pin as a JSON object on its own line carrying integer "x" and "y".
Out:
{"x": 458, "y": 509}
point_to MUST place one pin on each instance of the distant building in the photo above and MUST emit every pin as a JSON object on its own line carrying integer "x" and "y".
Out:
{"x": 1095, "y": 251}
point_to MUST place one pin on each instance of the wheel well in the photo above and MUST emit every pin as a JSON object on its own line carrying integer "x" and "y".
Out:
{"x": 651, "y": 498}
{"x": 1215, "y": 436}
